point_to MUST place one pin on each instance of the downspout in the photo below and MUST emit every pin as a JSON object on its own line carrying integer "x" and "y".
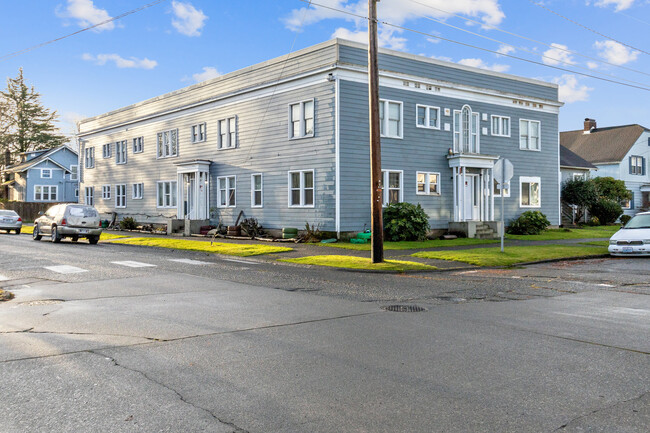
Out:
{"x": 337, "y": 150}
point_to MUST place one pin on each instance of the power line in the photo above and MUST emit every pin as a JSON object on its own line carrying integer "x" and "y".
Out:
{"x": 26, "y": 50}
{"x": 530, "y": 39}
{"x": 587, "y": 28}
{"x": 483, "y": 49}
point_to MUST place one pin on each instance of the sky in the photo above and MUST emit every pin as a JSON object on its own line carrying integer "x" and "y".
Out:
{"x": 170, "y": 44}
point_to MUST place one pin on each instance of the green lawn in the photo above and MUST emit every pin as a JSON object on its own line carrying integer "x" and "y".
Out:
{"x": 413, "y": 245}
{"x": 233, "y": 249}
{"x": 513, "y": 255}
{"x": 352, "y": 262}
{"x": 558, "y": 234}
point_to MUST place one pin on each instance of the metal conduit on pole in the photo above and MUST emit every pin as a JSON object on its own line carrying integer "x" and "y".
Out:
{"x": 377, "y": 224}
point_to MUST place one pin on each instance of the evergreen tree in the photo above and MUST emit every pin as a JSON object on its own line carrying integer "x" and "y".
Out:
{"x": 25, "y": 124}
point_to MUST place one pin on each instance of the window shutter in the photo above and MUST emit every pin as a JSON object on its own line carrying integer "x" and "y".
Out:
{"x": 629, "y": 169}
{"x": 632, "y": 202}
{"x": 643, "y": 166}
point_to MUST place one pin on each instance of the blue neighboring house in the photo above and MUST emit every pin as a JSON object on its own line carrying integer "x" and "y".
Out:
{"x": 621, "y": 152}
{"x": 49, "y": 175}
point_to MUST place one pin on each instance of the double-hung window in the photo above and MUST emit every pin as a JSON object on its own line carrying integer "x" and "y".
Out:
{"x": 227, "y": 138}
{"x": 120, "y": 152}
{"x": 497, "y": 191}
{"x": 427, "y": 117}
{"x": 198, "y": 133}
{"x": 466, "y": 131}
{"x": 166, "y": 194}
{"x": 89, "y": 196}
{"x": 530, "y": 192}
{"x": 138, "y": 144}
{"x": 137, "y": 191}
{"x": 167, "y": 144}
{"x": 301, "y": 188}
{"x": 106, "y": 192}
{"x": 74, "y": 172}
{"x": 637, "y": 165}
{"x": 120, "y": 195}
{"x": 500, "y": 126}
{"x": 390, "y": 184}
{"x": 529, "y": 134}
{"x": 256, "y": 190}
{"x": 226, "y": 193}
{"x": 428, "y": 183}
{"x": 46, "y": 173}
{"x": 301, "y": 119}
{"x": 90, "y": 157}
{"x": 390, "y": 119}
{"x": 106, "y": 150}
{"x": 45, "y": 193}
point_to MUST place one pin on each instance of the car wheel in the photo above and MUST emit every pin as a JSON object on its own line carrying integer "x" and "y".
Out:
{"x": 55, "y": 235}
{"x": 17, "y": 231}
{"x": 74, "y": 239}
{"x": 36, "y": 235}
{"x": 93, "y": 239}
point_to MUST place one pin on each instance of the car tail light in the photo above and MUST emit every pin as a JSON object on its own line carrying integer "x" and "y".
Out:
{"x": 19, "y": 219}
{"x": 63, "y": 222}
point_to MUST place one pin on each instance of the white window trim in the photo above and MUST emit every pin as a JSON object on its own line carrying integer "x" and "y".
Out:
{"x": 302, "y": 133}
{"x": 49, "y": 170}
{"x": 302, "y": 188}
{"x": 637, "y": 167}
{"x": 171, "y": 205}
{"x": 118, "y": 187}
{"x": 530, "y": 179}
{"x": 107, "y": 150}
{"x": 539, "y": 130}
{"x": 49, "y": 193}
{"x": 76, "y": 193}
{"x": 253, "y": 205}
{"x": 133, "y": 191}
{"x": 89, "y": 199}
{"x": 199, "y": 139}
{"x": 90, "y": 157}
{"x": 427, "y": 118}
{"x": 104, "y": 189}
{"x": 498, "y": 192}
{"x": 228, "y": 144}
{"x": 579, "y": 176}
{"x": 219, "y": 205}
{"x": 475, "y": 125}
{"x": 140, "y": 146}
{"x": 426, "y": 183}
{"x": 385, "y": 178}
{"x": 171, "y": 155}
{"x": 386, "y": 102}
{"x": 496, "y": 133}
{"x": 74, "y": 173}
{"x": 121, "y": 148}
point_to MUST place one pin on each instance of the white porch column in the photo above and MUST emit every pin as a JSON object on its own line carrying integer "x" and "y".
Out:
{"x": 455, "y": 182}
{"x": 462, "y": 194}
{"x": 492, "y": 194}
{"x": 179, "y": 196}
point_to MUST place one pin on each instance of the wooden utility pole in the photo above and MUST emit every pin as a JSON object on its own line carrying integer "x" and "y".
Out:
{"x": 377, "y": 238}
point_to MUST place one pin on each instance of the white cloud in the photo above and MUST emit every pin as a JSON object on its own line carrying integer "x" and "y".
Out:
{"x": 505, "y": 49}
{"x": 479, "y": 63}
{"x": 187, "y": 19}
{"x": 570, "y": 90}
{"x": 592, "y": 65}
{"x": 615, "y": 53}
{"x": 619, "y": 4}
{"x": 558, "y": 54}
{"x": 209, "y": 72}
{"x": 86, "y": 14}
{"x": 120, "y": 62}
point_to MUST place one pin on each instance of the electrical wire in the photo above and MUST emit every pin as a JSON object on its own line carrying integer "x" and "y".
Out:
{"x": 585, "y": 27}
{"x": 490, "y": 26}
{"x": 26, "y": 50}
{"x": 481, "y": 48}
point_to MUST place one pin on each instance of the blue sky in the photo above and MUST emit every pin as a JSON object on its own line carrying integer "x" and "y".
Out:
{"x": 176, "y": 43}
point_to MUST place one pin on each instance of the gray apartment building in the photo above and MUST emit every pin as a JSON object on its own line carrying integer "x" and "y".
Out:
{"x": 286, "y": 141}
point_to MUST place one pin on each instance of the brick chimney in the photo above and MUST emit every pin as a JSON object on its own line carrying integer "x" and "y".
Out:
{"x": 590, "y": 124}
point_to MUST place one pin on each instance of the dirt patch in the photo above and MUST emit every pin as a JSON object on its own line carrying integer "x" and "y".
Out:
{"x": 5, "y": 295}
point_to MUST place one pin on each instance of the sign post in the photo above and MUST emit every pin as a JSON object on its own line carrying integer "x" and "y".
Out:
{"x": 503, "y": 171}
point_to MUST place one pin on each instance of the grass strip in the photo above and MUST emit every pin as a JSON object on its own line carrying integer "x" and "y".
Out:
{"x": 513, "y": 255}
{"x": 104, "y": 236}
{"x": 413, "y": 245}
{"x": 352, "y": 262}
{"x": 241, "y": 250}
{"x": 559, "y": 234}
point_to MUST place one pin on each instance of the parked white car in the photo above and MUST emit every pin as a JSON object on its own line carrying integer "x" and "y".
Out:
{"x": 633, "y": 239}
{"x": 72, "y": 221}
{"x": 10, "y": 220}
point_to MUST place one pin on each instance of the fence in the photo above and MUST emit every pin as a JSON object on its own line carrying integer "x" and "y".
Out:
{"x": 27, "y": 211}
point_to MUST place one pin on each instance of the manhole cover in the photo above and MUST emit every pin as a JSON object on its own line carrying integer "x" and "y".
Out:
{"x": 41, "y": 302}
{"x": 404, "y": 308}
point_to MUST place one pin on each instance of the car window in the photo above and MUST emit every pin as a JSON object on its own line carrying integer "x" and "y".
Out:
{"x": 51, "y": 211}
{"x": 638, "y": 222}
{"x": 7, "y": 213}
{"x": 82, "y": 211}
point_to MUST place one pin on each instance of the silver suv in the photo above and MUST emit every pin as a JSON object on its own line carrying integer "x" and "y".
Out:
{"x": 72, "y": 221}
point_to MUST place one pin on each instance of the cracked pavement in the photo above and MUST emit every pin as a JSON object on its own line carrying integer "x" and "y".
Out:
{"x": 252, "y": 346}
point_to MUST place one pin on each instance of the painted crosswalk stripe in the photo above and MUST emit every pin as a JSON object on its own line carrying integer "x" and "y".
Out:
{"x": 132, "y": 264}
{"x": 242, "y": 261}
{"x": 66, "y": 269}
{"x": 190, "y": 261}
{"x": 3, "y": 278}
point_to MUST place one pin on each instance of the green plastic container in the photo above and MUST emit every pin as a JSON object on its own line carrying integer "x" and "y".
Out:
{"x": 289, "y": 230}
{"x": 358, "y": 241}
{"x": 364, "y": 235}
{"x": 289, "y": 235}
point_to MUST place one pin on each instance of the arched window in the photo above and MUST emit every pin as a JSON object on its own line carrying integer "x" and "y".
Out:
{"x": 466, "y": 126}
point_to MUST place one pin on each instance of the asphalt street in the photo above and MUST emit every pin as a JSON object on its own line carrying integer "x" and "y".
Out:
{"x": 116, "y": 338}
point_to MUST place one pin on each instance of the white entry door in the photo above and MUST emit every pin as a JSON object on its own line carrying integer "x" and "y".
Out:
{"x": 471, "y": 197}
{"x": 188, "y": 195}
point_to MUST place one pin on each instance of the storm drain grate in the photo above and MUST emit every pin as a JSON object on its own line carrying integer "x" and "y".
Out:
{"x": 404, "y": 308}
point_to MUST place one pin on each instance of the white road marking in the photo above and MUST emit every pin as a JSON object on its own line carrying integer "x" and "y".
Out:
{"x": 242, "y": 261}
{"x": 132, "y": 264}
{"x": 3, "y": 278}
{"x": 190, "y": 261}
{"x": 66, "y": 269}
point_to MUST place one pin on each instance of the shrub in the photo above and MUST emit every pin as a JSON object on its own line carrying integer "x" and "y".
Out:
{"x": 128, "y": 223}
{"x": 593, "y": 221}
{"x": 580, "y": 193}
{"x": 607, "y": 211}
{"x": 312, "y": 233}
{"x": 252, "y": 227}
{"x": 528, "y": 223}
{"x": 625, "y": 219}
{"x": 405, "y": 222}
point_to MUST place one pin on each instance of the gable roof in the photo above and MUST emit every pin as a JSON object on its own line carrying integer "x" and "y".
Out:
{"x": 19, "y": 168}
{"x": 602, "y": 145}
{"x": 569, "y": 159}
